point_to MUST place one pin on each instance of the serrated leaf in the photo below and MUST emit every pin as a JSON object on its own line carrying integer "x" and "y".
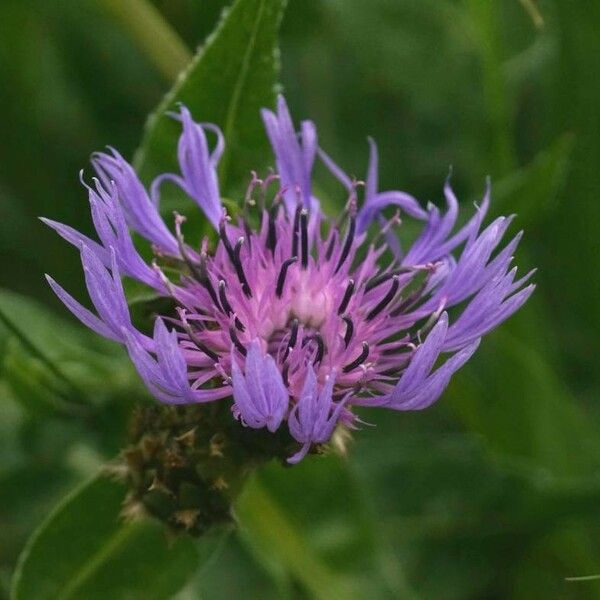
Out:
{"x": 231, "y": 77}
{"x": 85, "y": 550}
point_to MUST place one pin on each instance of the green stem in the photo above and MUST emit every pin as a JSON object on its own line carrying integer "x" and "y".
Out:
{"x": 152, "y": 34}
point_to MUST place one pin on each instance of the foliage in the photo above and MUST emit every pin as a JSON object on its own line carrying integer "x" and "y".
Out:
{"x": 492, "y": 493}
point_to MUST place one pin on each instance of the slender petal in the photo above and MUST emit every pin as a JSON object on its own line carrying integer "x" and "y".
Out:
{"x": 261, "y": 398}
{"x": 141, "y": 213}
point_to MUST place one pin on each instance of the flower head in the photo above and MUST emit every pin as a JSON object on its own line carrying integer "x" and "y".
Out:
{"x": 292, "y": 315}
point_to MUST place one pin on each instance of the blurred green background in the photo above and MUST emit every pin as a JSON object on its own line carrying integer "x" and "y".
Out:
{"x": 494, "y": 492}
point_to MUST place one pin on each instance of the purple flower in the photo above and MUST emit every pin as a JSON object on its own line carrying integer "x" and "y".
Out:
{"x": 261, "y": 398}
{"x": 294, "y": 154}
{"x": 296, "y": 320}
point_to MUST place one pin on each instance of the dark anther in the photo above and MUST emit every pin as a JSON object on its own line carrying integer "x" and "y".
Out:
{"x": 225, "y": 240}
{"x": 320, "y": 348}
{"x": 201, "y": 345}
{"x": 304, "y": 237}
{"x": 386, "y": 299}
{"x": 272, "y": 232}
{"x": 223, "y": 297}
{"x": 285, "y": 265}
{"x": 331, "y": 246}
{"x": 347, "y": 295}
{"x": 227, "y": 307}
{"x": 200, "y": 274}
{"x": 349, "y": 330}
{"x": 293, "y": 334}
{"x": 284, "y": 374}
{"x": 198, "y": 270}
{"x": 293, "y": 338}
{"x": 236, "y": 341}
{"x": 347, "y": 243}
{"x": 360, "y": 360}
{"x": 237, "y": 263}
{"x": 379, "y": 279}
{"x": 316, "y": 337}
{"x": 295, "y": 231}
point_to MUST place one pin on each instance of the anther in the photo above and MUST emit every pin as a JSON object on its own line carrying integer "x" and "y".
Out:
{"x": 293, "y": 334}
{"x": 196, "y": 340}
{"x": 359, "y": 360}
{"x": 331, "y": 246}
{"x": 304, "y": 237}
{"x": 320, "y": 346}
{"x": 349, "y": 330}
{"x": 293, "y": 338}
{"x": 237, "y": 263}
{"x": 347, "y": 243}
{"x": 379, "y": 279}
{"x": 285, "y": 265}
{"x": 225, "y": 239}
{"x": 236, "y": 341}
{"x": 227, "y": 307}
{"x": 347, "y": 295}
{"x": 295, "y": 231}
{"x": 386, "y": 299}
{"x": 223, "y": 298}
{"x": 272, "y": 231}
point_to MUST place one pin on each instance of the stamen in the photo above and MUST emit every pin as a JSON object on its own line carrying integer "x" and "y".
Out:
{"x": 285, "y": 265}
{"x": 320, "y": 348}
{"x": 320, "y": 345}
{"x": 223, "y": 297}
{"x": 295, "y": 229}
{"x": 195, "y": 339}
{"x": 347, "y": 244}
{"x": 198, "y": 270}
{"x": 201, "y": 346}
{"x": 386, "y": 299}
{"x": 239, "y": 269}
{"x": 227, "y": 307}
{"x": 272, "y": 232}
{"x": 349, "y": 330}
{"x": 379, "y": 279}
{"x": 225, "y": 239}
{"x": 347, "y": 295}
{"x": 285, "y": 373}
{"x": 331, "y": 245}
{"x": 304, "y": 237}
{"x": 359, "y": 360}
{"x": 236, "y": 342}
{"x": 293, "y": 334}
{"x": 293, "y": 338}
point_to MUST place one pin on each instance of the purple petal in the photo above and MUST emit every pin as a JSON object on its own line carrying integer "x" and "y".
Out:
{"x": 141, "y": 213}
{"x": 88, "y": 318}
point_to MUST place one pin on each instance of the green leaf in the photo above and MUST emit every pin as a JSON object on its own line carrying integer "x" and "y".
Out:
{"x": 85, "y": 550}
{"x": 151, "y": 33}
{"x": 231, "y": 77}
{"x": 51, "y": 363}
{"x": 275, "y": 538}
{"x": 532, "y": 191}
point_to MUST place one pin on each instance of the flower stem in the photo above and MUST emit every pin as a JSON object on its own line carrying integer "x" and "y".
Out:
{"x": 152, "y": 34}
